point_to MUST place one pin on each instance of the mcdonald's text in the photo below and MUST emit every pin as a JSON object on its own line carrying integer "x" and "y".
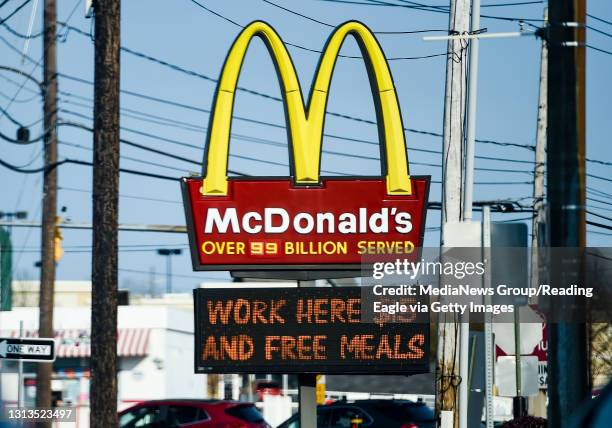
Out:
{"x": 267, "y": 223}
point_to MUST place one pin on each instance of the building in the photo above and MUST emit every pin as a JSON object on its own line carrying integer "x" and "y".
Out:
{"x": 154, "y": 346}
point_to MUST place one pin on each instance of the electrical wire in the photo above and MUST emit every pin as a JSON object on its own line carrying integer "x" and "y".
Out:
{"x": 81, "y": 162}
{"x": 123, "y": 195}
{"x": 600, "y": 225}
{"x": 260, "y": 94}
{"x": 124, "y": 157}
{"x": 445, "y": 10}
{"x": 196, "y": 128}
{"x": 599, "y": 215}
{"x": 327, "y": 24}
{"x": 14, "y": 12}
{"x": 231, "y": 21}
{"x": 599, "y": 49}
{"x": 340, "y": 115}
{"x": 599, "y": 19}
{"x": 599, "y": 31}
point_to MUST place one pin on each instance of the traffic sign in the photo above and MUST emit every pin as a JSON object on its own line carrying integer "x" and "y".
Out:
{"x": 27, "y": 349}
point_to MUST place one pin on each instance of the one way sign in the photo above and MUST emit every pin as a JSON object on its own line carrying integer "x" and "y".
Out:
{"x": 27, "y": 349}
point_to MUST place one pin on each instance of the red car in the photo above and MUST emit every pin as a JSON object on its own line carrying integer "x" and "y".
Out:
{"x": 267, "y": 387}
{"x": 192, "y": 414}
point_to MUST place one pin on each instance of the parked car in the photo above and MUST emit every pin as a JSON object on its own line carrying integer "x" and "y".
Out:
{"x": 370, "y": 414}
{"x": 267, "y": 387}
{"x": 192, "y": 414}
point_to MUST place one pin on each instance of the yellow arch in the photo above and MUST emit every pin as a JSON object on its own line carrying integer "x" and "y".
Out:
{"x": 306, "y": 124}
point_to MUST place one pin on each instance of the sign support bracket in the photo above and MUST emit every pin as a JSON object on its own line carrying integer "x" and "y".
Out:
{"x": 20, "y": 372}
{"x": 307, "y": 388}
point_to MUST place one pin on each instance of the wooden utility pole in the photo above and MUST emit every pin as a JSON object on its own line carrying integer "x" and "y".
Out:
{"x": 568, "y": 380}
{"x": 452, "y": 154}
{"x": 49, "y": 204}
{"x": 103, "y": 393}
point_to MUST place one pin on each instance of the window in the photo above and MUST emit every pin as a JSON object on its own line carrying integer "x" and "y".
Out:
{"x": 245, "y": 412}
{"x": 142, "y": 417}
{"x": 323, "y": 417}
{"x": 349, "y": 417}
{"x": 181, "y": 415}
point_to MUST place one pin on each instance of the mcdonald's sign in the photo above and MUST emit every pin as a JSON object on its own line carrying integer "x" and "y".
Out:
{"x": 305, "y": 221}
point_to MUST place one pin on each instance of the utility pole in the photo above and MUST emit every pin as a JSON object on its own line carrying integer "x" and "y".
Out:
{"x": 452, "y": 155}
{"x": 49, "y": 203}
{"x": 568, "y": 382}
{"x": 103, "y": 393}
{"x": 539, "y": 207}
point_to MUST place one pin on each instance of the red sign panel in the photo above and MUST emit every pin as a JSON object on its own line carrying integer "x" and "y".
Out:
{"x": 271, "y": 224}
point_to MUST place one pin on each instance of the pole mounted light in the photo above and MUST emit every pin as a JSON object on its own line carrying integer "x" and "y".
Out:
{"x": 168, "y": 253}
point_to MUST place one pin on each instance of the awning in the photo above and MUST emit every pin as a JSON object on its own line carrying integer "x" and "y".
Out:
{"x": 76, "y": 343}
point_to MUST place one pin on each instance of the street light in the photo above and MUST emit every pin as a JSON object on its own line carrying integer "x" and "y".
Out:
{"x": 19, "y": 215}
{"x": 169, "y": 252}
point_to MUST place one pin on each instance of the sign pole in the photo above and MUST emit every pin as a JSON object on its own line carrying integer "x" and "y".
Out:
{"x": 488, "y": 327}
{"x": 519, "y": 409}
{"x": 307, "y": 391}
{"x": 20, "y": 370}
{"x": 307, "y": 388}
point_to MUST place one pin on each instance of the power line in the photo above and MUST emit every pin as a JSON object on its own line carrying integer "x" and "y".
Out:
{"x": 81, "y": 162}
{"x": 599, "y": 19}
{"x": 598, "y": 31}
{"x": 279, "y": 126}
{"x": 441, "y": 9}
{"x": 172, "y": 141}
{"x": 193, "y": 127}
{"x": 599, "y": 49}
{"x": 81, "y": 32}
{"x": 124, "y": 157}
{"x": 123, "y": 195}
{"x": 326, "y": 24}
{"x": 600, "y": 225}
{"x": 256, "y": 93}
{"x": 599, "y": 215}
{"x": 210, "y": 278}
{"x": 21, "y": 6}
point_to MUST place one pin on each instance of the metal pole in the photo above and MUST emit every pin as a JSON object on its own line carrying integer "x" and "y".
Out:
{"x": 488, "y": 326}
{"x": 308, "y": 400}
{"x": 468, "y": 190}
{"x": 104, "y": 275}
{"x": 169, "y": 274}
{"x": 49, "y": 208}
{"x": 251, "y": 384}
{"x": 517, "y": 351}
{"x": 20, "y": 371}
{"x": 519, "y": 402}
{"x": 307, "y": 389}
{"x": 568, "y": 362}
{"x": 452, "y": 154}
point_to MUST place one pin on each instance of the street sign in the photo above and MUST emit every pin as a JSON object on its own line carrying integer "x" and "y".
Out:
{"x": 302, "y": 330}
{"x": 305, "y": 221}
{"x": 27, "y": 349}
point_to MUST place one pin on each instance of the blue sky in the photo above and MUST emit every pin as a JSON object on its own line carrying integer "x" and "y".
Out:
{"x": 184, "y": 34}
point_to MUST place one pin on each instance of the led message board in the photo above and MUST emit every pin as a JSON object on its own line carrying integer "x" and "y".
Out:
{"x": 302, "y": 330}
{"x": 305, "y": 221}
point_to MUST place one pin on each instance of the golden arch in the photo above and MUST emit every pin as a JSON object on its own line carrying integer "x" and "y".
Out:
{"x": 305, "y": 124}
